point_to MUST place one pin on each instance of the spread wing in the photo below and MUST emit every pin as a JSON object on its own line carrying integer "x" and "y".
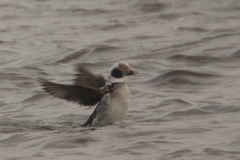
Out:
{"x": 86, "y": 78}
{"x": 84, "y": 95}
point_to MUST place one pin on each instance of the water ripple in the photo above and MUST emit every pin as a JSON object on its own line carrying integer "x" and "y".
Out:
{"x": 177, "y": 154}
{"x": 183, "y": 78}
{"x": 195, "y": 60}
{"x": 73, "y": 56}
{"x": 69, "y": 142}
{"x": 218, "y": 152}
{"x": 85, "y": 12}
{"x": 189, "y": 112}
{"x": 149, "y": 7}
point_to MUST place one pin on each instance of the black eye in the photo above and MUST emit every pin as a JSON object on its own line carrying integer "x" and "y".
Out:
{"x": 123, "y": 67}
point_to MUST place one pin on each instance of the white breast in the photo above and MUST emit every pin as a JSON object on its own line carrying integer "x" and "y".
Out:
{"x": 113, "y": 107}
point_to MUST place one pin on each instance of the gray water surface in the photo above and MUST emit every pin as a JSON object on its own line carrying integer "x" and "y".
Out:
{"x": 185, "y": 101}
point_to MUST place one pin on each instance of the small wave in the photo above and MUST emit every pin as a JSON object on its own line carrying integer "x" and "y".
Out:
{"x": 82, "y": 11}
{"x": 35, "y": 70}
{"x": 188, "y": 112}
{"x": 13, "y": 140}
{"x": 193, "y": 29}
{"x": 178, "y": 154}
{"x": 218, "y": 152}
{"x": 73, "y": 56}
{"x": 146, "y": 37}
{"x": 182, "y": 79}
{"x": 236, "y": 54}
{"x": 104, "y": 48}
{"x": 113, "y": 40}
{"x": 185, "y": 73}
{"x": 170, "y": 16}
{"x": 175, "y": 102}
{"x": 170, "y": 102}
{"x": 15, "y": 126}
{"x": 222, "y": 31}
{"x": 149, "y": 7}
{"x": 113, "y": 26}
{"x": 26, "y": 27}
{"x": 217, "y": 49}
{"x": 177, "y": 81}
{"x": 162, "y": 108}
{"x": 14, "y": 77}
{"x": 102, "y": 51}
{"x": 192, "y": 130}
{"x": 196, "y": 60}
{"x": 154, "y": 120}
{"x": 70, "y": 142}
{"x": 162, "y": 52}
{"x": 34, "y": 98}
{"x": 224, "y": 35}
{"x": 26, "y": 85}
{"x": 136, "y": 134}
{"x": 221, "y": 109}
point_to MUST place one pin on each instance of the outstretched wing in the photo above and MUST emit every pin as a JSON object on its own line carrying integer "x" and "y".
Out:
{"x": 84, "y": 95}
{"x": 86, "y": 78}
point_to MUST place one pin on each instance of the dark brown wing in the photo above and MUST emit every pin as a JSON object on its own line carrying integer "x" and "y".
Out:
{"x": 84, "y": 95}
{"x": 88, "y": 123}
{"x": 86, "y": 78}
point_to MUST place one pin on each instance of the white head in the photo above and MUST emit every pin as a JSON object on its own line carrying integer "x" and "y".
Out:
{"x": 118, "y": 71}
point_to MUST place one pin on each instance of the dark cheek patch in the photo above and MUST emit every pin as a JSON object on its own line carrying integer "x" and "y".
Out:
{"x": 116, "y": 73}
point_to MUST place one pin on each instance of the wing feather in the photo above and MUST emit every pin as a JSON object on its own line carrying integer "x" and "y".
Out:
{"x": 83, "y": 95}
{"x": 86, "y": 78}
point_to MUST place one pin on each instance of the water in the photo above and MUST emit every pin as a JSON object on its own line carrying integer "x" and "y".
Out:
{"x": 184, "y": 101}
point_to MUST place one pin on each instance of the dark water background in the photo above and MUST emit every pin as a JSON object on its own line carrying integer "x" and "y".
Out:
{"x": 185, "y": 101}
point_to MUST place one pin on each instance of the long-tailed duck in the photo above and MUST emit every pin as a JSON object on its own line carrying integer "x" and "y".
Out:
{"x": 89, "y": 89}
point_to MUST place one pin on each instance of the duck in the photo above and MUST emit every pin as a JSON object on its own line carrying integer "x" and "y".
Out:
{"x": 111, "y": 97}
